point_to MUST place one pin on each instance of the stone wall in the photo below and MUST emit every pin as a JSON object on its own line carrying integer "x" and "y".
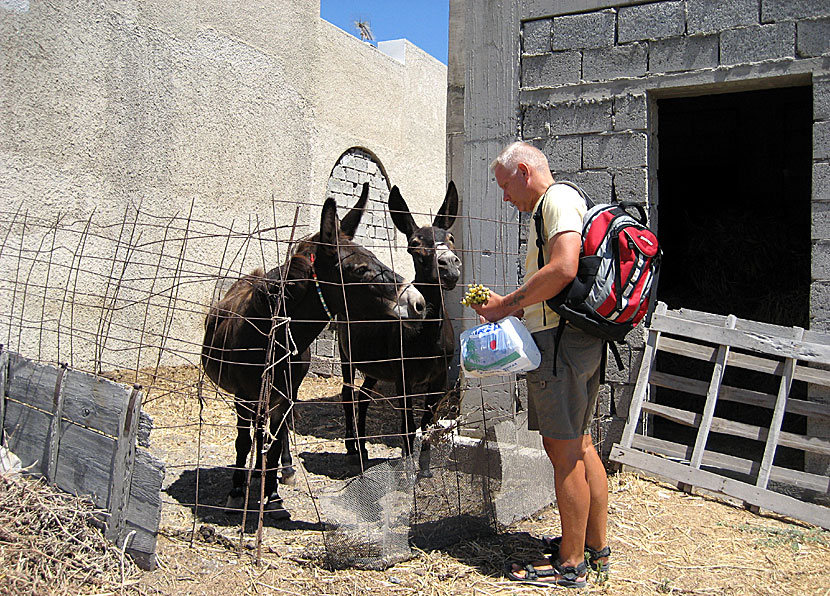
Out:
{"x": 585, "y": 90}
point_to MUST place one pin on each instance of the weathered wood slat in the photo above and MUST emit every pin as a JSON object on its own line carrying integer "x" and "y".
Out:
{"x": 27, "y": 431}
{"x": 737, "y": 394}
{"x": 711, "y": 399}
{"x": 733, "y": 463}
{"x": 122, "y": 469}
{"x": 782, "y": 504}
{"x": 739, "y": 429}
{"x": 641, "y": 388}
{"x": 55, "y": 427}
{"x": 777, "y": 417}
{"x": 757, "y": 342}
{"x": 88, "y": 399}
{"x": 807, "y": 374}
{"x": 86, "y": 461}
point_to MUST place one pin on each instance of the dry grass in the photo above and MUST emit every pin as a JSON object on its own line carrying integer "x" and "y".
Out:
{"x": 49, "y": 547}
{"x": 664, "y": 541}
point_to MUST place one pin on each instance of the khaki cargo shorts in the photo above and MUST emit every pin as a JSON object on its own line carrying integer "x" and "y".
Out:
{"x": 562, "y": 406}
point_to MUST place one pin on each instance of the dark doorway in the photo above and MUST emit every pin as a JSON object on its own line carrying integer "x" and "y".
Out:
{"x": 734, "y": 215}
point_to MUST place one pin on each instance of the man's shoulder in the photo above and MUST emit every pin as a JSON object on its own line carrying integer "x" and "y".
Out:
{"x": 562, "y": 196}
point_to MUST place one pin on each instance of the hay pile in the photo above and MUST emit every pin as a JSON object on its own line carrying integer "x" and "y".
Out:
{"x": 48, "y": 546}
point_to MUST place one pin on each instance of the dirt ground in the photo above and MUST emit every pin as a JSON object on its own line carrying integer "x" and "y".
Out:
{"x": 664, "y": 541}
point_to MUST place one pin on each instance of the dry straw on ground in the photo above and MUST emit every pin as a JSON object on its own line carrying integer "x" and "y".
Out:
{"x": 664, "y": 541}
{"x": 49, "y": 547}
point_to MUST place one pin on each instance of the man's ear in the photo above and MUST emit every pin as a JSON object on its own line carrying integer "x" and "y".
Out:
{"x": 522, "y": 167}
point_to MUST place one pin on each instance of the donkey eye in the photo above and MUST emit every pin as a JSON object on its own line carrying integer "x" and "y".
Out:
{"x": 450, "y": 238}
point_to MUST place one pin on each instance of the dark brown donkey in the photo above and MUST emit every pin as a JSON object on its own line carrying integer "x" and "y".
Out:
{"x": 417, "y": 357}
{"x": 323, "y": 273}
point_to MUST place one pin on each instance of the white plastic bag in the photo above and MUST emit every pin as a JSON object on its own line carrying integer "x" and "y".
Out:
{"x": 498, "y": 349}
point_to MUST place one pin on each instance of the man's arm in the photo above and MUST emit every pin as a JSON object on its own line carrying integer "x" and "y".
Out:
{"x": 546, "y": 283}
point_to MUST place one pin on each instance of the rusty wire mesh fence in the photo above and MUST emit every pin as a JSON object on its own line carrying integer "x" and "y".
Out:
{"x": 125, "y": 295}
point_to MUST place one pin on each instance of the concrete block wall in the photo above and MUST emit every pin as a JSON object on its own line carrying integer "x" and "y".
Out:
{"x": 589, "y": 80}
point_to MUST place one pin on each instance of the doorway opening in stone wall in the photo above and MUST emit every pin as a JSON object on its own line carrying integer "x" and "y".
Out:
{"x": 734, "y": 176}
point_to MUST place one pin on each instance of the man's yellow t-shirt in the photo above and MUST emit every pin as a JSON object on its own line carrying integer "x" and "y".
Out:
{"x": 562, "y": 212}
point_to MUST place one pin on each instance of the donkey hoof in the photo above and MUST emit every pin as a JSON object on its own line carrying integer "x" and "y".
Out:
{"x": 425, "y": 473}
{"x": 275, "y": 509}
{"x": 288, "y": 477}
{"x": 235, "y": 502}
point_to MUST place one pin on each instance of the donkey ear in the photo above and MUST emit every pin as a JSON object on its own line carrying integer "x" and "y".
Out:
{"x": 399, "y": 211}
{"x": 329, "y": 229}
{"x": 449, "y": 209}
{"x": 349, "y": 224}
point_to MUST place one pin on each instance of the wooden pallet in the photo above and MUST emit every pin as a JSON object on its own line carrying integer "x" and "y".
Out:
{"x": 789, "y": 353}
{"x": 79, "y": 432}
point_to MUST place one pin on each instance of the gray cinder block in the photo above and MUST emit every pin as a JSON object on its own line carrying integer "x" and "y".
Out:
{"x": 657, "y": 20}
{"x": 625, "y": 61}
{"x": 789, "y": 10}
{"x": 820, "y": 269}
{"x": 535, "y": 122}
{"x": 685, "y": 53}
{"x": 588, "y": 30}
{"x": 821, "y": 140}
{"x": 536, "y": 36}
{"x": 712, "y": 16}
{"x": 820, "y": 221}
{"x": 617, "y": 150}
{"x": 630, "y": 112}
{"x": 755, "y": 44}
{"x": 596, "y": 183}
{"x": 550, "y": 70}
{"x": 581, "y": 117}
{"x": 631, "y": 185}
{"x": 564, "y": 153}
{"x": 821, "y": 182}
{"x": 813, "y": 37}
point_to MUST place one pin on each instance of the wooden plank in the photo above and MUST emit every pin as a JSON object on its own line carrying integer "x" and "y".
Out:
{"x": 782, "y": 504}
{"x": 122, "y": 469}
{"x": 796, "y": 478}
{"x": 739, "y": 429}
{"x": 88, "y": 398}
{"x": 757, "y": 342}
{"x": 737, "y": 394}
{"x": 85, "y": 464}
{"x": 4, "y": 369}
{"x": 711, "y": 399}
{"x": 30, "y": 383}
{"x": 807, "y": 374}
{"x": 641, "y": 388}
{"x": 55, "y": 428}
{"x": 27, "y": 430}
{"x": 144, "y": 508}
{"x": 777, "y": 419}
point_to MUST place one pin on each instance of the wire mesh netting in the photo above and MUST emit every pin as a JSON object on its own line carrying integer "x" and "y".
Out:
{"x": 125, "y": 295}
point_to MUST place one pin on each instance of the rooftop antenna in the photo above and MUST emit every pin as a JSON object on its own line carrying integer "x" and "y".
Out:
{"x": 365, "y": 30}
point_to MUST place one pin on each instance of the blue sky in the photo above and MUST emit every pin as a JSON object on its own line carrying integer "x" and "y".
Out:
{"x": 423, "y": 22}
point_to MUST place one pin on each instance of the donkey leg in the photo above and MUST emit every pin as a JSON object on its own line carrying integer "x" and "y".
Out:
{"x": 299, "y": 369}
{"x": 243, "y": 442}
{"x": 288, "y": 475}
{"x": 362, "y": 407}
{"x": 347, "y": 398}
{"x": 273, "y": 502}
{"x": 431, "y": 398}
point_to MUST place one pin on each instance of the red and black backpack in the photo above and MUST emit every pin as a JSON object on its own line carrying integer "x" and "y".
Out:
{"x": 618, "y": 270}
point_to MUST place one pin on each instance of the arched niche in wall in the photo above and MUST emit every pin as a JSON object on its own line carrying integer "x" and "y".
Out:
{"x": 354, "y": 167}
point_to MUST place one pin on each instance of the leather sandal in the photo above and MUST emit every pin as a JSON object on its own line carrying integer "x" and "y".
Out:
{"x": 592, "y": 556}
{"x": 568, "y": 577}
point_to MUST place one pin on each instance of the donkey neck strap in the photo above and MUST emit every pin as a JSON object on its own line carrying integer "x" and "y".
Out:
{"x": 319, "y": 290}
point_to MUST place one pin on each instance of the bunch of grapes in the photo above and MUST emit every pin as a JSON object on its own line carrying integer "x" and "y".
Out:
{"x": 476, "y": 294}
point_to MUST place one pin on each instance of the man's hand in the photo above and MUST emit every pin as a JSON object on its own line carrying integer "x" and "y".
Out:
{"x": 496, "y": 308}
